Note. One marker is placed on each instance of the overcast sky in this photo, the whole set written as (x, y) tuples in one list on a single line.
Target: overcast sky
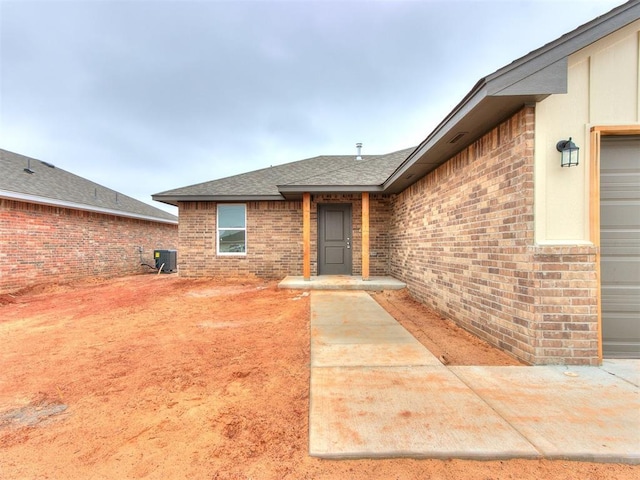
[(144, 96)]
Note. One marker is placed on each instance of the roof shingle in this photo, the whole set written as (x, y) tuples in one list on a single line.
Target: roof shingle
[(322, 171), (55, 186)]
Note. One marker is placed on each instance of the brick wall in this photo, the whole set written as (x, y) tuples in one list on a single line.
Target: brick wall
[(463, 242), (379, 222), (42, 244), (274, 238), (274, 241), (566, 304)]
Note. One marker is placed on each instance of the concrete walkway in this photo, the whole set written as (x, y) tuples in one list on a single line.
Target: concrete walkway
[(377, 392), (342, 282)]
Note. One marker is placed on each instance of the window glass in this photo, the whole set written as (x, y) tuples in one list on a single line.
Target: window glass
[(232, 235), (231, 216), (231, 241)]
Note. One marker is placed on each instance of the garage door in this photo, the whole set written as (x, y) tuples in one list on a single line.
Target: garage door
[(620, 246)]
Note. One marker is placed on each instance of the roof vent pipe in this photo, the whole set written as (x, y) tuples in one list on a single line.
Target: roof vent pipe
[(359, 151), (28, 169)]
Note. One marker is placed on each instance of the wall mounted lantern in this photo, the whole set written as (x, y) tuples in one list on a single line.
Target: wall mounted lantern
[(569, 152)]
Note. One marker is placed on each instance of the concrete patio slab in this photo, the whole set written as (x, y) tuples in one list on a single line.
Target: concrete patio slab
[(342, 282), (628, 370), (377, 392), (582, 413), (405, 411)]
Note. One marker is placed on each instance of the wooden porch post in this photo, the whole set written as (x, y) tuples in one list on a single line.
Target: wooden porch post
[(365, 236), (306, 236)]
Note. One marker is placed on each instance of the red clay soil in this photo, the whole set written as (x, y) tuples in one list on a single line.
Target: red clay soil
[(447, 341), (165, 378)]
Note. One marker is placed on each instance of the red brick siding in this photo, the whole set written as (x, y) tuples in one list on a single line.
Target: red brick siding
[(566, 304), (379, 222), (43, 244), (274, 238), (463, 241), (274, 241)]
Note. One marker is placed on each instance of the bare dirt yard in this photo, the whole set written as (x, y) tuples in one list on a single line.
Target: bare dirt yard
[(160, 377), (450, 343)]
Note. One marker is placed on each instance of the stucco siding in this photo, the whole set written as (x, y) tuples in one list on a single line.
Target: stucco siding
[(603, 89)]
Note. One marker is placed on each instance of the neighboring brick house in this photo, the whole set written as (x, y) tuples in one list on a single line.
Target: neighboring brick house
[(480, 220), (58, 227)]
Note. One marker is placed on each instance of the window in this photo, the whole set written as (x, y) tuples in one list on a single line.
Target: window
[(232, 230)]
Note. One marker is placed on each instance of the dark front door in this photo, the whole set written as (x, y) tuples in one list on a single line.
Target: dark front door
[(334, 239)]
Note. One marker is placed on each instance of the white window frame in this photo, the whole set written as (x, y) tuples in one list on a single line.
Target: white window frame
[(219, 229)]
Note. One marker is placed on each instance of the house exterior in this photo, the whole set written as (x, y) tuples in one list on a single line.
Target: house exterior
[(480, 220), (58, 227)]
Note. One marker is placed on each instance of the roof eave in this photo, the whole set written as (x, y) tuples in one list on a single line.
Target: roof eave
[(174, 199), (461, 128), (482, 108), (291, 191), (52, 202), (527, 80), (565, 45)]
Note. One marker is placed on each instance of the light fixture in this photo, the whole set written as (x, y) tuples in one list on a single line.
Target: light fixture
[(569, 151)]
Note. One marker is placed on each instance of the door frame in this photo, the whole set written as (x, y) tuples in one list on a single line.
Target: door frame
[(597, 132), (321, 208)]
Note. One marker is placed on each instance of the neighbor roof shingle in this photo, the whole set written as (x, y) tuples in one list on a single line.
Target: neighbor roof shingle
[(52, 185)]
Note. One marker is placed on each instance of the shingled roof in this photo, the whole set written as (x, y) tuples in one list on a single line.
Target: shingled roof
[(327, 173), (50, 185), (527, 80)]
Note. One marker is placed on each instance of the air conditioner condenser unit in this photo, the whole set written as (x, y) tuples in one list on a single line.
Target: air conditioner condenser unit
[(167, 260)]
